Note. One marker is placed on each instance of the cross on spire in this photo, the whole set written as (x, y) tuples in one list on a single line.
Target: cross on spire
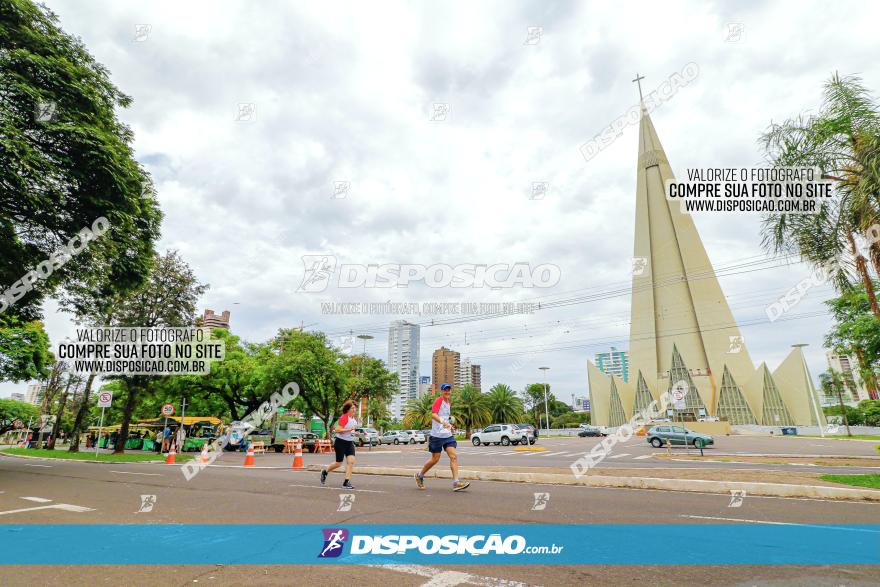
[(638, 80)]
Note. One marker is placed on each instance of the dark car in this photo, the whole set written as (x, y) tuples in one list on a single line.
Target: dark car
[(530, 430), (669, 434), (590, 431)]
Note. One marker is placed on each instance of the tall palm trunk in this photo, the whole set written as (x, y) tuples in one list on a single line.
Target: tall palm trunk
[(81, 415), (862, 269)]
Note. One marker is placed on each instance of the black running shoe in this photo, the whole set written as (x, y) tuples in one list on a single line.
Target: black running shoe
[(347, 484), (323, 476)]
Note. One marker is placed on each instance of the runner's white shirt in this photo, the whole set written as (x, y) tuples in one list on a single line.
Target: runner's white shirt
[(346, 422), (442, 409)]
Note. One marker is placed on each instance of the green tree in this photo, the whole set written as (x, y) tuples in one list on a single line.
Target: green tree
[(65, 161), (417, 412), (377, 411), (167, 299), (12, 410), (470, 408), (842, 142), (24, 349), (533, 398), (833, 386), (856, 332), (320, 370), (503, 404), (368, 378), (871, 410)]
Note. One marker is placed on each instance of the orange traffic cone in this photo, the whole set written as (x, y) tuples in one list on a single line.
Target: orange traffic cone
[(170, 460), (298, 455), (249, 459), (203, 458)]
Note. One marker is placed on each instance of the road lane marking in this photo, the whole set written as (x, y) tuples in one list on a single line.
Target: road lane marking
[(433, 573), (780, 523), (554, 454), (32, 465), (337, 488), (641, 457), (58, 506), (37, 499), (135, 473), (623, 454)]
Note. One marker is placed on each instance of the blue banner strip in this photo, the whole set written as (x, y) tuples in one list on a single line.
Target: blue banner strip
[(591, 544)]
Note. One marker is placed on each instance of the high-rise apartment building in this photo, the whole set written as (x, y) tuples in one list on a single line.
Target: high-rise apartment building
[(614, 362), (403, 359), (468, 373), (211, 320), (445, 367)]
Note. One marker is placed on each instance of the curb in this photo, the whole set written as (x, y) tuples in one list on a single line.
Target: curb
[(688, 485)]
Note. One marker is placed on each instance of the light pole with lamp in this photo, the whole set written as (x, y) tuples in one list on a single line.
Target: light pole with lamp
[(546, 407), (365, 338)]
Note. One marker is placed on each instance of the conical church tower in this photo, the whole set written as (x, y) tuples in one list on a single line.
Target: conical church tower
[(682, 329)]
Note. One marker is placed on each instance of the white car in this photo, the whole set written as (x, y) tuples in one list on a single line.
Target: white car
[(415, 436), (394, 437), (503, 434)]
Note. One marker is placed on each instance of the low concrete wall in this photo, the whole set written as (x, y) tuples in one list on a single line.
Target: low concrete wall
[(808, 430)]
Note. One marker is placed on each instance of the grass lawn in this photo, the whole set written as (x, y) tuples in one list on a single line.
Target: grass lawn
[(853, 437), (89, 455), (871, 481)]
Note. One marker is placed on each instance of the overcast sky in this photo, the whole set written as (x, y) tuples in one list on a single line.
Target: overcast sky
[(347, 92)]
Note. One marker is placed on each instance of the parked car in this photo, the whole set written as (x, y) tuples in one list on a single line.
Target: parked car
[(364, 436), (394, 437), (416, 436), (672, 435), (504, 434), (591, 431), (530, 430)]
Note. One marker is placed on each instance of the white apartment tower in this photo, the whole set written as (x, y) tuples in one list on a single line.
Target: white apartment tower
[(403, 359)]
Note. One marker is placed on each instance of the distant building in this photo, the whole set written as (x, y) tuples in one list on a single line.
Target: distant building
[(403, 359), (848, 367), (581, 404), (614, 363), (19, 397), (445, 367), (211, 320), (425, 387), (34, 393), (468, 373)]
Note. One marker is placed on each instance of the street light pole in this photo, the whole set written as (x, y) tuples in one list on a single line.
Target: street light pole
[(365, 338), (546, 407)]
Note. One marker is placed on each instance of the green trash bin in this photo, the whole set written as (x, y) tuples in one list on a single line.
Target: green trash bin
[(149, 444)]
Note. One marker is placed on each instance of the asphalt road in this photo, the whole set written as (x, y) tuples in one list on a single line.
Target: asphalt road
[(84, 493), (634, 454)]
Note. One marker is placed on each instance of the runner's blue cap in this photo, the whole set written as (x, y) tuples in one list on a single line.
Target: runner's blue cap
[(445, 386)]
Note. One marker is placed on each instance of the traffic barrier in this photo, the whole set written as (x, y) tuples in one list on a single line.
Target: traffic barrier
[(204, 458), (170, 459), (298, 456), (249, 459), (323, 445)]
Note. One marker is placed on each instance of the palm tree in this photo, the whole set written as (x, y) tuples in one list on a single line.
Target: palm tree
[(842, 142), (418, 412), (470, 408), (503, 404)]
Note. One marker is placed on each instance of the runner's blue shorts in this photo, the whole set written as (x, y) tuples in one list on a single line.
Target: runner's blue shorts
[(439, 444)]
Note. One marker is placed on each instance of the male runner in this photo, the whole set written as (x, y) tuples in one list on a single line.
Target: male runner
[(344, 445), (442, 438)]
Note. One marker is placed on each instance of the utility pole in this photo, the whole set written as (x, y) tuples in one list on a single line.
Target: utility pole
[(365, 338), (546, 407)]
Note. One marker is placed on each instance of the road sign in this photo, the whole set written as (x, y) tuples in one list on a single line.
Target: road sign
[(105, 398), (167, 410), (18, 424)]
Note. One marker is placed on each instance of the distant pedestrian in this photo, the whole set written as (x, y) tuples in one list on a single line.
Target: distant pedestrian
[(343, 445)]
